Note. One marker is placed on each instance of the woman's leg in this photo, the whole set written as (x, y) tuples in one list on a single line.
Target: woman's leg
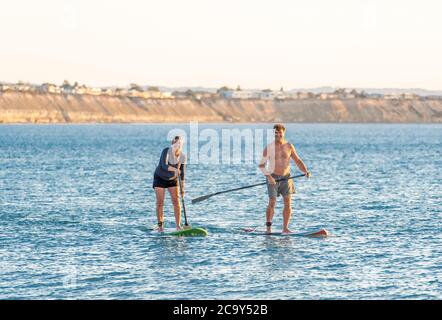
[(160, 193), (176, 206)]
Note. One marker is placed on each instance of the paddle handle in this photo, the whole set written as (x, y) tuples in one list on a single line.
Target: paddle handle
[(242, 188), (259, 184), (182, 199)]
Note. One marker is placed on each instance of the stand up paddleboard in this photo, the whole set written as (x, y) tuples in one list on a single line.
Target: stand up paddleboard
[(188, 231), (321, 233), (192, 232)]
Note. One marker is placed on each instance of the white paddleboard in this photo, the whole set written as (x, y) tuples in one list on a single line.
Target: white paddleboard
[(320, 233)]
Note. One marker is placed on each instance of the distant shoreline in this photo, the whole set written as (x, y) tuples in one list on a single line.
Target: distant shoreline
[(47, 108)]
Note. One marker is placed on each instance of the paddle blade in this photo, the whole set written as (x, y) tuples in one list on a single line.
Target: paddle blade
[(318, 234), (199, 199)]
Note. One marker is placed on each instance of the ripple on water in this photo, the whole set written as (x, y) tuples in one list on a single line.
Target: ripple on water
[(77, 207)]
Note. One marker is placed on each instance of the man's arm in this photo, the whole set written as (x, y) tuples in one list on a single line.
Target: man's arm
[(263, 162), (301, 165), (262, 166)]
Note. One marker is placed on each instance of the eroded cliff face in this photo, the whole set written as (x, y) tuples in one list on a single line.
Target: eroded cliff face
[(18, 107)]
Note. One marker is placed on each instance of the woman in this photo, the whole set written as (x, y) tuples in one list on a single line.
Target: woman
[(172, 163)]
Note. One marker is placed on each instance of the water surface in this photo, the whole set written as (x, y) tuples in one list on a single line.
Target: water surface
[(76, 205)]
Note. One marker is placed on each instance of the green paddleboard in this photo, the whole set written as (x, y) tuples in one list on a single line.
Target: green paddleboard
[(193, 232)]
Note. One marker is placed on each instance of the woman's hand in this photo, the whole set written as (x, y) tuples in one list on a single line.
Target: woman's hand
[(174, 170)]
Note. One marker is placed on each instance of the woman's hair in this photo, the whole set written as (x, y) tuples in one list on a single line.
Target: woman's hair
[(177, 138)]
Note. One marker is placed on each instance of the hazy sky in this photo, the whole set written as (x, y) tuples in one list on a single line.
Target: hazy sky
[(256, 44)]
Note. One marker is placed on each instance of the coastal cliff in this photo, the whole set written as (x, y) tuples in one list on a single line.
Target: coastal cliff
[(24, 107)]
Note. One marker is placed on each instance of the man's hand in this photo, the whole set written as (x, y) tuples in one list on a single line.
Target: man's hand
[(308, 174), (271, 180)]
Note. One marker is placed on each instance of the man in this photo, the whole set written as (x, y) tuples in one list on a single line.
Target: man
[(278, 154)]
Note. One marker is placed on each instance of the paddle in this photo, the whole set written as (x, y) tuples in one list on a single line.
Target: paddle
[(182, 200), (199, 199)]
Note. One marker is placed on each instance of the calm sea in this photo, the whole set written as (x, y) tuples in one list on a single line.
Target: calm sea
[(76, 208)]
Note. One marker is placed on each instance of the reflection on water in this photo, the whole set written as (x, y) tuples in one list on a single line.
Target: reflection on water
[(76, 209)]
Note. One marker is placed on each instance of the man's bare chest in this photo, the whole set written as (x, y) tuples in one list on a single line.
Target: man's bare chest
[(282, 152)]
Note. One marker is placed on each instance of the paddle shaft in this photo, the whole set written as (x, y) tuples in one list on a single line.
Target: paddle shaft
[(242, 188), (182, 200)]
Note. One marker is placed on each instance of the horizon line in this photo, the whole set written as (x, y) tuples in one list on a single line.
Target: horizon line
[(232, 88)]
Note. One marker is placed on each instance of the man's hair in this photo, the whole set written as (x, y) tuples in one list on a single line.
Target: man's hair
[(279, 127)]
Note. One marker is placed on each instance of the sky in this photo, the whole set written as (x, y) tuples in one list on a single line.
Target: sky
[(254, 44)]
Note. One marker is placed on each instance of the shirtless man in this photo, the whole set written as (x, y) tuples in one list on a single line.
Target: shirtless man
[(278, 154)]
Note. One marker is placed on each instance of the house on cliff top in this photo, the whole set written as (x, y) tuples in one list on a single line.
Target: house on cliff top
[(48, 88), (5, 87)]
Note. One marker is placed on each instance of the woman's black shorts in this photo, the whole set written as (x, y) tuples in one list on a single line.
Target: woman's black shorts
[(161, 183)]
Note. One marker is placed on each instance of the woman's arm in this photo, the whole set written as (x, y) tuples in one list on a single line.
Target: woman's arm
[(182, 171), (164, 161)]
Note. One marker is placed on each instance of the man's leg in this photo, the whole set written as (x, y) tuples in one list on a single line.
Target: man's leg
[(160, 193), (269, 213), (287, 213), (176, 206)]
